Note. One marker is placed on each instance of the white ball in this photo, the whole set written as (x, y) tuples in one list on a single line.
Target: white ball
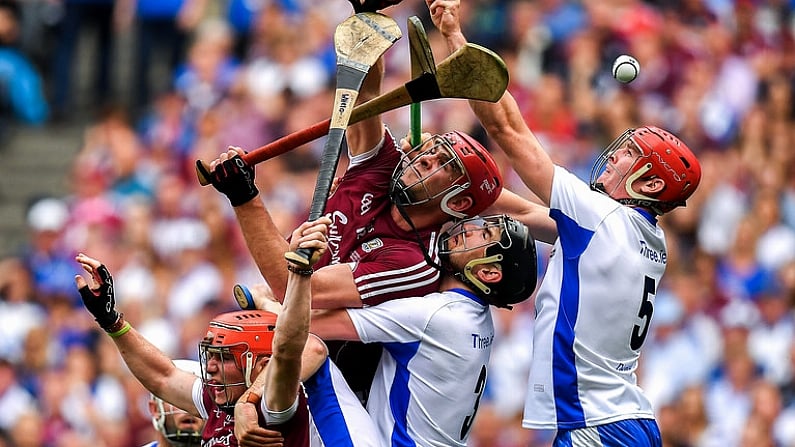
[(626, 68)]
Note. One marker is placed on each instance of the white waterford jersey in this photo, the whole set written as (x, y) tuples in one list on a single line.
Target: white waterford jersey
[(433, 369), (593, 310)]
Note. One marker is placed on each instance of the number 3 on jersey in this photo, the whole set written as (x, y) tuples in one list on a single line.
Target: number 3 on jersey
[(479, 387), (644, 313)]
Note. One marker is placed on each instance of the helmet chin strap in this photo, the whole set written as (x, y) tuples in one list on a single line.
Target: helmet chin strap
[(248, 367), (447, 197), (631, 179), (472, 279), (417, 235)]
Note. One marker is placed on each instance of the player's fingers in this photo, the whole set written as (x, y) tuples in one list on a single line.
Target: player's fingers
[(258, 436), (315, 229), (325, 220), (315, 243), (235, 150), (87, 260), (80, 282)]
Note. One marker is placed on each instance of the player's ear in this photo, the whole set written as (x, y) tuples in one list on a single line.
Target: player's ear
[(153, 410), (460, 203), (489, 273), (652, 186)]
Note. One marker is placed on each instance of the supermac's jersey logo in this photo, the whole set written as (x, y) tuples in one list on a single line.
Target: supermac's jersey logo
[(371, 245)]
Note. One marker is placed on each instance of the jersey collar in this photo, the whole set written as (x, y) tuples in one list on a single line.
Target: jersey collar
[(469, 295), (647, 214)]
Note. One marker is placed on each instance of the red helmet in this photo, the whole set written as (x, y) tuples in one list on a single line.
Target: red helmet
[(479, 177), (664, 156), (245, 335)]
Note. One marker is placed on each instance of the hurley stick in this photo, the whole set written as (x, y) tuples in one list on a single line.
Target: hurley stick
[(471, 72), (421, 63), (358, 41)]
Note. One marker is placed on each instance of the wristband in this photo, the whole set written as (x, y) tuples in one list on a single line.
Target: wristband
[(253, 398), (300, 271), (124, 329), (116, 326)]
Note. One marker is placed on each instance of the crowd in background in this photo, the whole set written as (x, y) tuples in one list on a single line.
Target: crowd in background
[(719, 365)]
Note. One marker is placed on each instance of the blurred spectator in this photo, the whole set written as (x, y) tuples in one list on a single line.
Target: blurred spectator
[(111, 145), (766, 409), (209, 70), (287, 68), (728, 398), (15, 401), (82, 18), (776, 244), (242, 16), (162, 28), (197, 282), (21, 85), (740, 274), (28, 431), (771, 339), (47, 257), (19, 313)]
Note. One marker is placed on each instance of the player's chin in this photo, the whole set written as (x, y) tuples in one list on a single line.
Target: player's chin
[(227, 396)]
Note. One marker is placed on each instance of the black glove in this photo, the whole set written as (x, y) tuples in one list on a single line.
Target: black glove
[(371, 5), (234, 178), (101, 302)]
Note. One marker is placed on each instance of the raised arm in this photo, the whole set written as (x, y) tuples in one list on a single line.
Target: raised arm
[(283, 373), (333, 285), (502, 120), (156, 372), (532, 214), (296, 354), (365, 135)]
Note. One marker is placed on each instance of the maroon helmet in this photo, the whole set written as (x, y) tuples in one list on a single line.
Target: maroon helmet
[(472, 168)]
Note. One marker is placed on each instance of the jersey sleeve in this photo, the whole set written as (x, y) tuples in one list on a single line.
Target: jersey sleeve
[(400, 321), (278, 417), (577, 210), (199, 397), (396, 270), (576, 200), (383, 157)]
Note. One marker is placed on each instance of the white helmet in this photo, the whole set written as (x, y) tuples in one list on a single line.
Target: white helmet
[(173, 432)]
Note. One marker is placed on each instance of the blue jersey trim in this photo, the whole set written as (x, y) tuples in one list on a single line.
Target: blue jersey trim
[(399, 394), (573, 241), (469, 295), (647, 214), (325, 408)]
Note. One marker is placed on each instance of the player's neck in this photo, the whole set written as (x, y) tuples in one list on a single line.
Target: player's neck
[(421, 218)]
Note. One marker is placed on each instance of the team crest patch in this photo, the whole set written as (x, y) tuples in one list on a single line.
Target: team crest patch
[(372, 245)]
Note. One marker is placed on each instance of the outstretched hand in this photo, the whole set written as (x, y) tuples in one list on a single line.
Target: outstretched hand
[(98, 297), (445, 15)]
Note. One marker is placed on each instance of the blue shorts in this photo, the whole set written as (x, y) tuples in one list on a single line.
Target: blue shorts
[(626, 433)]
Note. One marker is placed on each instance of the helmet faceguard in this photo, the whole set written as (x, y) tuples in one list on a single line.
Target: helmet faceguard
[(508, 243), (469, 166), (165, 421), (241, 336), (661, 155)]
